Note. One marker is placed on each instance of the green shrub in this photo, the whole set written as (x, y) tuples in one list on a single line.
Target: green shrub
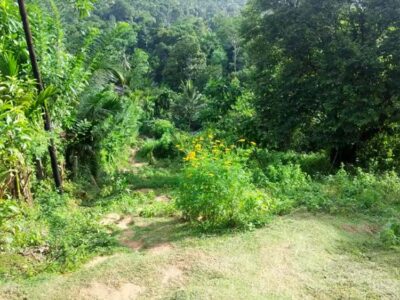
[(282, 175), (157, 128), (382, 152), (65, 234), (285, 183), (164, 147), (390, 236), (158, 209), (73, 232), (285, 177), (75, 236), (362, 192), (19, 226), (310, 163), (238, 120), (106, 127), (162, 135), (217, 189), (123, 202)]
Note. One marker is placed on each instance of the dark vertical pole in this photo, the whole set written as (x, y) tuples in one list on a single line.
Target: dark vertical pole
[(40, 88)]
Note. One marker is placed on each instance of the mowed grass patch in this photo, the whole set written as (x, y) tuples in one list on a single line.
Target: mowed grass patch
[(301, 256)]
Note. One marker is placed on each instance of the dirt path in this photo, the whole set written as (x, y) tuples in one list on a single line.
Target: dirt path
[(296, 257)]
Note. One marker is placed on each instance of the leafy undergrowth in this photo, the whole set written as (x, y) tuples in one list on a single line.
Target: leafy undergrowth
[(60, 233), (298, 256), (128, 239)]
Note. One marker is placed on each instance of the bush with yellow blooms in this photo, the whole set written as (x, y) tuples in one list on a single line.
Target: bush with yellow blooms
[(216, 189)]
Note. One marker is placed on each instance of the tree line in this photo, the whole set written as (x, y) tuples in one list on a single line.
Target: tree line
[(291, 75)]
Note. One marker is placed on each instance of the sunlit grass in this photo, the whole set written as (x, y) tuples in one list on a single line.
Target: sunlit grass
[(295, 257)]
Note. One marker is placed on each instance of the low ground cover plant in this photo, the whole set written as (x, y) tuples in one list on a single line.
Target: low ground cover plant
[(364, 192), (55, 234), (390, 235)]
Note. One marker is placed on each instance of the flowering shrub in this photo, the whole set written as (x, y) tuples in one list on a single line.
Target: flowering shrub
[(217, 189)]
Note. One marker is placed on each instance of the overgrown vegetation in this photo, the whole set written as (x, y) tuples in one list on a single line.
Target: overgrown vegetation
[(217, 189), (219, 114)]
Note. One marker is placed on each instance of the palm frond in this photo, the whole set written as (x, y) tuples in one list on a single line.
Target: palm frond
[(8, 65)]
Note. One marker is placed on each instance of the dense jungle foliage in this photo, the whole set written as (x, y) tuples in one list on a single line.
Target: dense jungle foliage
[(244, 111)]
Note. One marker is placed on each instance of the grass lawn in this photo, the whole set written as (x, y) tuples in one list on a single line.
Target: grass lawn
[(300, 256)]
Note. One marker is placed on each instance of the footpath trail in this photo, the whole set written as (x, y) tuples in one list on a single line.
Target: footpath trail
[(296, 257)]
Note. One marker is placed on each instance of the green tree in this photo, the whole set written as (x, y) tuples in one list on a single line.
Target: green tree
[(221, 95), (186, 61), (121, 10), (83, 6), (187, 107), (326, 73), (228, 31), (140, 69)]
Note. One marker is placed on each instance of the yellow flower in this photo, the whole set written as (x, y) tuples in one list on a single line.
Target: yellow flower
[(198, 147), (191, 156)]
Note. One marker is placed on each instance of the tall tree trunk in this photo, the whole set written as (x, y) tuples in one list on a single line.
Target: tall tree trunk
[(40, 88)]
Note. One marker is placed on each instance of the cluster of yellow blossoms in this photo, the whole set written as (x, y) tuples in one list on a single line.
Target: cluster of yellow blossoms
[(191, 156), (202, 147)]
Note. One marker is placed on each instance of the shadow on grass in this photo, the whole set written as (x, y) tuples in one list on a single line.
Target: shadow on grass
[(164, 231)]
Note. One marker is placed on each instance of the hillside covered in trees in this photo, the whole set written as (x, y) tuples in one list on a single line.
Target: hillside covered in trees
[(142, 140)]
